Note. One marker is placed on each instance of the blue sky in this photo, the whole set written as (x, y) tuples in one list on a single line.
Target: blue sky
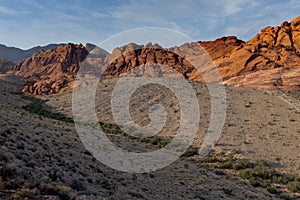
[(29, 23)]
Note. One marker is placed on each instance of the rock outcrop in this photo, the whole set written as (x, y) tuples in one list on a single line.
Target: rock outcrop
[(51, 71), (269, 60), (270, 56), (149, 60)]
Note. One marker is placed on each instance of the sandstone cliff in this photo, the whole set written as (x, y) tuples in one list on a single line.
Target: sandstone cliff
[(269, 60)]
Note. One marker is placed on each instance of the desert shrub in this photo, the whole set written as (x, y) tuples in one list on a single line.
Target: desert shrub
[(52, 175), (264, 173), (210, 159), (37, 106), (246, 174), (263, 163), (157, 141), (272, 190), (227, 191), (58, 190), (254, 182), (265, 183), (5, 133), (242, 164), (279, 179), (294, 186), (285, 178), (7, 171), (226, 165), (78, 185), (286, 196), (191, 151)]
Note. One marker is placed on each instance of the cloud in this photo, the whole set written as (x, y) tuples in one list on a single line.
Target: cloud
[(93, 21), (8, 11)]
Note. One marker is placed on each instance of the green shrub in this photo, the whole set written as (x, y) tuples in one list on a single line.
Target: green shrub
[(272, 190), (254, 182), (191, 151), (242, 164), (246, 174), (294, 186), (227, 165), (38, 106), (286, 196), (264, 173)]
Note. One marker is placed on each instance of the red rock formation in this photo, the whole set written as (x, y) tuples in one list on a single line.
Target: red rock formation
[(275, 47), (270, 60), (50, 71)]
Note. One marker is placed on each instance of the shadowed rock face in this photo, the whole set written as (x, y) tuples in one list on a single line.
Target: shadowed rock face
[(270, 60), (6, 65)]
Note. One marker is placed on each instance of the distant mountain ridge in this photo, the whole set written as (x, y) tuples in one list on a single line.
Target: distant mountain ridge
[(271, 59), (15, 54), (6, 65)]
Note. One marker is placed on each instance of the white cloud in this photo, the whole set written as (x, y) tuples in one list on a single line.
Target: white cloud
[(80, 21)]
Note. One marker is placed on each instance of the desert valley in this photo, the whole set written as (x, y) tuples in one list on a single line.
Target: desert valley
[(256, 157)]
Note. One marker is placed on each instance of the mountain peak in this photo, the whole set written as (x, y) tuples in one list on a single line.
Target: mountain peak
[(269, 60)]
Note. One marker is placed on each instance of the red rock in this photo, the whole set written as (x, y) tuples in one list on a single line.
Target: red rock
[(49, 71), (271, 59)]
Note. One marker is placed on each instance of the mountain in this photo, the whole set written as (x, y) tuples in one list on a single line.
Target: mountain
[(16, 54), (6, 65), (50, 71), (269, 60)]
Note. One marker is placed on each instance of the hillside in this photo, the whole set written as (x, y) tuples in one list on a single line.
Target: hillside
[(6, 65), (42, 156)]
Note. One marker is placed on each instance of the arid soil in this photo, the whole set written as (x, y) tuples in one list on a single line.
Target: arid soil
[(42, 156)]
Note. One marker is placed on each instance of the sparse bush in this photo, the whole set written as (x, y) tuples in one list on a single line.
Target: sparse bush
[(264, 173), (294, 186), (242, 164), (211, 159), (246, 174), (254, 182), (191, 151), (227, 191), (286, 196), (272, 190), (37, 106), (58, 190), (77, 185), (227, 165), (7, 171)]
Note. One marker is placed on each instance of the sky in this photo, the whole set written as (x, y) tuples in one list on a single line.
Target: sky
[(28, 23)]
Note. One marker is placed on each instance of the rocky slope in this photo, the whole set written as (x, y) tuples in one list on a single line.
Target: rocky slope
[(269, 60), (42, 156), (6, 65)]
